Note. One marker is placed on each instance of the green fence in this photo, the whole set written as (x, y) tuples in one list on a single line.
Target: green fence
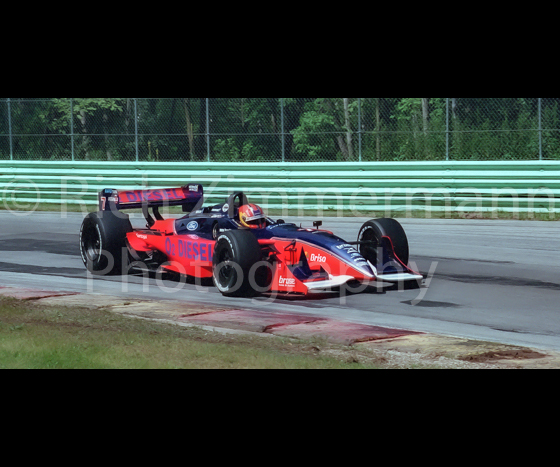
[(396, 189), (279, 129)]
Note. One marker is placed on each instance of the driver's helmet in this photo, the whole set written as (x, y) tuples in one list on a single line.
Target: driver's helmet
[(252, 216)]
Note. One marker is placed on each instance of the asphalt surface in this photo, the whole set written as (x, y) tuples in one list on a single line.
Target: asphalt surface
[(487, 280)]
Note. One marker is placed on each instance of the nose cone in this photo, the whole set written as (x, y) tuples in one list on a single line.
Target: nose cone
[(351, 256)]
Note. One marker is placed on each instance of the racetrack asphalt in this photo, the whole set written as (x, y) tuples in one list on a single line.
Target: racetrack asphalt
[(488, 280)]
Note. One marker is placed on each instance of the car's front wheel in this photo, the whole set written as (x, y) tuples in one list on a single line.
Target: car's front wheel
[(235, 255), (370, 240)]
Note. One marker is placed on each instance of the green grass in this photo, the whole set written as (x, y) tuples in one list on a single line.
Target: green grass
[(40, 337)]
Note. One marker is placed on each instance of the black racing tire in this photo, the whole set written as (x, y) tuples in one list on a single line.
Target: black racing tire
[(103, 243), (235, 254), (372, 233)]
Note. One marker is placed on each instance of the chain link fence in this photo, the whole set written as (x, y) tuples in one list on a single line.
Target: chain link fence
[(273, 129)]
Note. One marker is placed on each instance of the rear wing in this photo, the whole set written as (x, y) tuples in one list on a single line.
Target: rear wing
[(188, 196)]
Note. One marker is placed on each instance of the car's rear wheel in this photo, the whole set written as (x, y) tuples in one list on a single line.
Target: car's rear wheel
[(371, 240), (235, 255), (103, 243)]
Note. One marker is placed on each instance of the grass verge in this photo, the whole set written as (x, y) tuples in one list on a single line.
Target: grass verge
[(33, 336)]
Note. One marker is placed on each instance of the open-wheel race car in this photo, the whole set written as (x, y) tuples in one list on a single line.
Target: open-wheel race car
[(237, 246)]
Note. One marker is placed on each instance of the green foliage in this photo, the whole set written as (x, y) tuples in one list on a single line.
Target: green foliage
[(250, 129), (311, 138)]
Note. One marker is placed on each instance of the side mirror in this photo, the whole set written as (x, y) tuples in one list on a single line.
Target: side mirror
[(317, 224)]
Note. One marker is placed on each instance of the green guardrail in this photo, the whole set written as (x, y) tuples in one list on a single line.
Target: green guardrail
[(359, 188)]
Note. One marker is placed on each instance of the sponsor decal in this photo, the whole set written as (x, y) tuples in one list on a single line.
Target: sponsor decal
[(317, 258), (225, 208), (111, 200), (194, 251), (284, 282), (170, 194), (354, 254), (192, 226), (347, 248)]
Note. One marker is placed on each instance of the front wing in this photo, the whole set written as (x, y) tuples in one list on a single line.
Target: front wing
[(299, 268)]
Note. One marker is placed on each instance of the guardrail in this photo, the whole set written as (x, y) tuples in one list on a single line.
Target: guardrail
[(396, 189)]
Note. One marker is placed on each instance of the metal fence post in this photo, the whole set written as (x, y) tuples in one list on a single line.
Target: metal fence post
[(283, 129), (72, 128), (208, 128), (10, 129), (447, 130), (360, 127), (136, 129), (540, 131)]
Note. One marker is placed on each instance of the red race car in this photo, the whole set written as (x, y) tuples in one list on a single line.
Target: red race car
[(238, 247)]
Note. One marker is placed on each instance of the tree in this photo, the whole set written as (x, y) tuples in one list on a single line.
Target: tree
[(95, 117), (190, 130), (250, 129), (348, 127), (426, 114)]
